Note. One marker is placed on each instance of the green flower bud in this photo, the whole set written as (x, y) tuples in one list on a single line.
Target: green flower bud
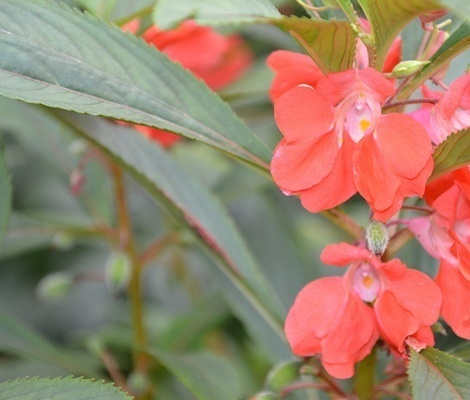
[(54, 287), (117, 272), (408, 68), (138, 383), (377, 237), (283, 375)]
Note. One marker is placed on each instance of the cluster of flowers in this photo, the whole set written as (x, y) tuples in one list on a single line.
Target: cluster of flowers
[(338, 140)]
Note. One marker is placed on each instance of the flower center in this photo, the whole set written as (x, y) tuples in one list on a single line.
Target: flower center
[(361, 117), (366, 282)]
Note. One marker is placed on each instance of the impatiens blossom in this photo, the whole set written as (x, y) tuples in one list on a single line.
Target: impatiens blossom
[(337, 142), (445, 234), (342, 318), (450, 114), (216, 59)]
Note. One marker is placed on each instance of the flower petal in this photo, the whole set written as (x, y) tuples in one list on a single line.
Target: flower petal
[(315, 309), (404, 145), (395, 322), (455, 299), (340, 254), (291, 69), (374, 181), (418, 294), (352, 338), (303, 114), (299, 166), (335, 188)]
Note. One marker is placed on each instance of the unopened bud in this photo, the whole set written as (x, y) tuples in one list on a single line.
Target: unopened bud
[(117, 272), (377, 237), (54, 287), (138, 383), (62, 241), (283, 375), (408, 68)]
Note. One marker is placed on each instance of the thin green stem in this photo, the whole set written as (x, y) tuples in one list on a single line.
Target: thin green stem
[(344, 221), (140, 342), (364, 379)]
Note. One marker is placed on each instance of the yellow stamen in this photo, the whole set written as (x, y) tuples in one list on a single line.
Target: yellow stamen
[(364, 124), (368, 281)]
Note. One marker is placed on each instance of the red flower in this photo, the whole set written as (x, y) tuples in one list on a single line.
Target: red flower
[(446, 236), (337, 142), (343, 317), (216, 59)]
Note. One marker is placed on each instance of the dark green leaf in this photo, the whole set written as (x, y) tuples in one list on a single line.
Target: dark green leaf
[(207, 376), (435, 375), (111, 73), (60, 389), (388, 17), (457, 43), (331, 44), (169, 13), (20, 340), (452, 154)]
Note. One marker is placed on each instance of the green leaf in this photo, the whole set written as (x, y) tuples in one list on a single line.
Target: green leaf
[(111, 73), (60, 389), (388, 17), (452, 154), (188, 203), (457, 43), (331, 44), (5, 198), (435, 375), (20, 340), (207, 376), (169, 13)]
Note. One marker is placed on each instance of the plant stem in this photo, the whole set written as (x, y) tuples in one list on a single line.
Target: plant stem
[(344, 221), (365, 377), (140, 343)]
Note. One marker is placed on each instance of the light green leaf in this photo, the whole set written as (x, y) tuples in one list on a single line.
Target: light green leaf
[(452, 154), (388, 17), (20, 340), (169, 13), (65, 59), (5, 196), (435, 375), (188, 202), (207, 376), (60, 389), (457, 43), (331, 44)]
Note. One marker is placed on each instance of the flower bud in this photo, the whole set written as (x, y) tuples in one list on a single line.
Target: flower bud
[(282, 375), (117, 272), (377, 237), (138, 383), (408, 68), (54, 287)]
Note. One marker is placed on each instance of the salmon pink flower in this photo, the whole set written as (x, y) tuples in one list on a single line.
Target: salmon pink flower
[(336, 143), (216, 59), (342, 318), (445, 235)]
